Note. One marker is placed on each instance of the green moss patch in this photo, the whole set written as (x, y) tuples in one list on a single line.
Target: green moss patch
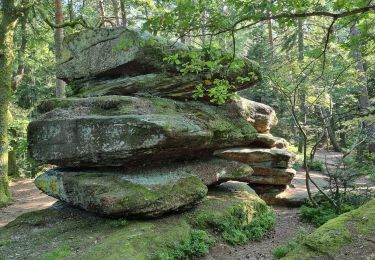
[(346, 231), (66, 233)]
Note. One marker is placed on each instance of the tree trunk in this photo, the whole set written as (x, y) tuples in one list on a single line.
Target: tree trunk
[(59, 36), (115, 5), (329, 126), (123, 13), (270, 35), (7, 27), (363, 97), (13, 169), (21, 54), (102, 12), (302, 95)]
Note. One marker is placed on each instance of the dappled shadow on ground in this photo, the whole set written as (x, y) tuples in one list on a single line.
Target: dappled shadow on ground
[(26, 198)]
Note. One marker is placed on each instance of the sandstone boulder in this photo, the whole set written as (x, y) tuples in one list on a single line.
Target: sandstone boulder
[(115, 131), (114, 194), (258, 157), (140, 191), (269, 141), (110, 53), (261, 116), (272, 176), (118, 61)]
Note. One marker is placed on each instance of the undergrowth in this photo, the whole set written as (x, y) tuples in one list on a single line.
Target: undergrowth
[(198, 245), (235, 228)]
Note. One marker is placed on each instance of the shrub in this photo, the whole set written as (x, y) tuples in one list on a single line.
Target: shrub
[(315, 165), (198, 245)]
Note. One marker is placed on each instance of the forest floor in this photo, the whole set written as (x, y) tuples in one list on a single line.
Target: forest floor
[(287, 226), (26, 198)]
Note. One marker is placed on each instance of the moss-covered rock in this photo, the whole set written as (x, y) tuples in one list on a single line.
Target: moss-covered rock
[(138, 191), (349, 236), (115, 194), (114, 130), (65, 233), (119, 61)]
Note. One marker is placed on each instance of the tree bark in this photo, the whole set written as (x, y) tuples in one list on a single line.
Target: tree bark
[(21, 54), (302, 95), (115, 5), (363, 96), (329, 126), (123, 13), (7, 27), (59, 36), (102, 12), (270, 35)]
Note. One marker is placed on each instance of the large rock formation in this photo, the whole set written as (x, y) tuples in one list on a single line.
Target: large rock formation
[(133, 142)]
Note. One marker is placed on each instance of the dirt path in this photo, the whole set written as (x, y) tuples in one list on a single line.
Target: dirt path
[(287, 225), (26, 198)]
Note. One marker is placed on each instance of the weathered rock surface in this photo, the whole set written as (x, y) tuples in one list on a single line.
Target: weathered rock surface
[(119, 61), (169, 85), (115, 194), (142, 191), (114, 131), (258, 157), (272, 176), (261, 116), (349, 236), (269, 141), (109, 53), (74, 234)]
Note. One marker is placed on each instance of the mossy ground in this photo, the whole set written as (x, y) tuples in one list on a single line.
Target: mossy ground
[(341, 237), (68, 233)]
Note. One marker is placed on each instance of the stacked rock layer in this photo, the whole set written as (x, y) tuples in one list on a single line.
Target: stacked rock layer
[(133, 142)]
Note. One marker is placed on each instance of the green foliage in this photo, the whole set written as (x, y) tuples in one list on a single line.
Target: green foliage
[(315, 165), (198, 245), (235, 228), (320, 215), (289, 245)]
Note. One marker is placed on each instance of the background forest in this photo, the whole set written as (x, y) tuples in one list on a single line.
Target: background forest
[(316, 59)]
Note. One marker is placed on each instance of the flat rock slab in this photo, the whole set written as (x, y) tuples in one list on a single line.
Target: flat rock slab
[(258, 157), (111, 52), (140, 192), (272, 176), (106, 61), (115, 131)]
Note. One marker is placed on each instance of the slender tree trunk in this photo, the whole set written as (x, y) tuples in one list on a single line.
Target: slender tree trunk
[(123, 13), (102, 12), (363, 97), (59, 36), (115, 5), (7, 27), (270, 35), (302, 94), (328, 124), (21, 54)]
